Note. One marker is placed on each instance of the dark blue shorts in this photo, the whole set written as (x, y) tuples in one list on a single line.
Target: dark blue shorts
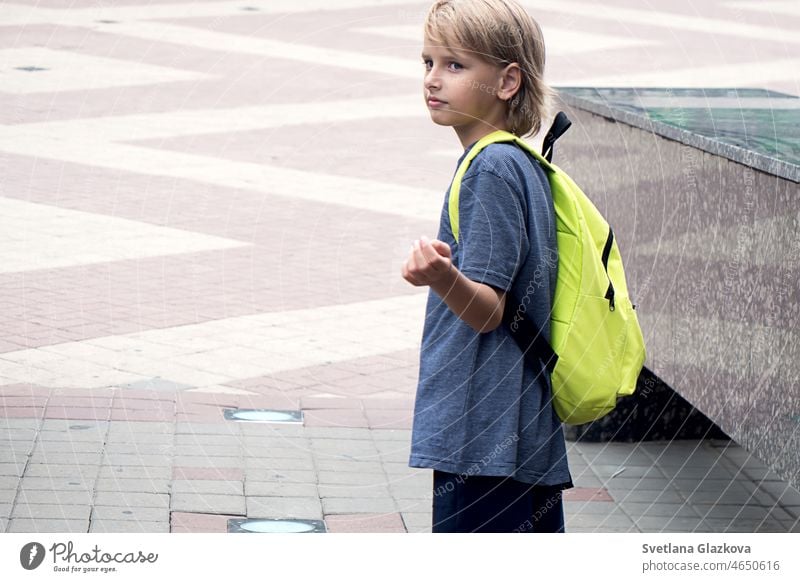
[(481, 504)]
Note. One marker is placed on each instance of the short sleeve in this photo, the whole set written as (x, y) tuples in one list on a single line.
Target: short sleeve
[(493, 236)]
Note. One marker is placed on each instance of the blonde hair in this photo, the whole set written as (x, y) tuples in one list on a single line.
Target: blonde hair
[(499, 32)]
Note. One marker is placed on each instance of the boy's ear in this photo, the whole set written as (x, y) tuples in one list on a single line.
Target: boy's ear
[(510, 81)]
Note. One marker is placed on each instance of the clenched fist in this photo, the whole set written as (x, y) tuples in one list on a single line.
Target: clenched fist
[(428, 262)]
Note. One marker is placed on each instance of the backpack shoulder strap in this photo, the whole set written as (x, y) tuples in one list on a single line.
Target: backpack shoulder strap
[(494, 137)]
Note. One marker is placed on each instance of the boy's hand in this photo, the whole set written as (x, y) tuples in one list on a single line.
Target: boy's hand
[(428, 262)]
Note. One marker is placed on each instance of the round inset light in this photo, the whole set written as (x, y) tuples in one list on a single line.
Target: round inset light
[(277, 526), (263, 415)]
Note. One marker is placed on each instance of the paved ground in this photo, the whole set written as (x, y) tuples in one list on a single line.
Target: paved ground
[(205, 205)]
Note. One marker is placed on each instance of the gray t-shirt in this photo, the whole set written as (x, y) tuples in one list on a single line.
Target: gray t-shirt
[(480, 408)]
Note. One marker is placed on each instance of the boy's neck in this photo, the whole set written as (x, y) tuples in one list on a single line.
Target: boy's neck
[(469, 134)]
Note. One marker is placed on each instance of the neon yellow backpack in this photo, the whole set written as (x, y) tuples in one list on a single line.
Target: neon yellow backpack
[(597, 349)]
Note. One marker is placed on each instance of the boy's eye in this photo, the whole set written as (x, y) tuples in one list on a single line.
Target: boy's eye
[(428, 63), (455, 66)]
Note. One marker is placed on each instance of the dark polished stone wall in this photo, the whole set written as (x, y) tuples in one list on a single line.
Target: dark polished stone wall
[(712, 257)]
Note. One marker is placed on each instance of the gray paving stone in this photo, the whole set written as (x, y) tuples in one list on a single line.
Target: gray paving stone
[(129, 499), (333, 432), (9, 482), (345, 466), (277, 489), (269, 429), (140, 439), (699, 472), (124, 472), (12, 469), (416, 522), (351, 478), (397, 469), (208, 503), (198, 450), (74, 483), (39, 496), (136, 460), (332, 505), (654, 524), (5, 511), (647, 496), (781, 491), (137, 428), (391, 434), (284, 507), (8, 456), (251, 451), (210, 439), (605, 471), (3, 524), (7, 495), (139, 449), (660, 509), (413, 505), (82, 459), (306, 464), (25, 525), (741, 511), (736, 496), (792, 525), (592, 508), (209, 462), (280, 475), (133, 485), (793, 510), (598, 522), (744, 525), (355, 491), (637, 484), (50, 511), (57, 447), (128, 513), (209, 428), (58, 470), (208, 486), (122, 526)]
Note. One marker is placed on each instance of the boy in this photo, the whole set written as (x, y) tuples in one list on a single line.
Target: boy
[(483, 418)]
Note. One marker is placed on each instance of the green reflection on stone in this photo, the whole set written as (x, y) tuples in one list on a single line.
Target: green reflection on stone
[(757, 120)]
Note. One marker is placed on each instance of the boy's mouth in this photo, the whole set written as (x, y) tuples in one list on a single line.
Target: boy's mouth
[(435, 103)]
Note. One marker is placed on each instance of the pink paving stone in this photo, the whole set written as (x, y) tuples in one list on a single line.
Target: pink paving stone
[(199, 522), (323, 403), (208, 473), (365, 523), (405, 404), (83, 393), (335, 418), (24, 390), (587, 494), (144, 405), (139, 394), (99, 401), (17, 401), (82, 413), (22, 412), (142, 415)]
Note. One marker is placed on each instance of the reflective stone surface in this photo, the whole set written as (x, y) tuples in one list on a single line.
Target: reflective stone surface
[(755, 127), (712, 256)]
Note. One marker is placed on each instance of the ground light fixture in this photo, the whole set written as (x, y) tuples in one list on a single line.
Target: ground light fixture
[(252, 525), (264, 415)]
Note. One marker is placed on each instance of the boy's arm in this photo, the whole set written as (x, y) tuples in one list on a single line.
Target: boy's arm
[(480, 306)]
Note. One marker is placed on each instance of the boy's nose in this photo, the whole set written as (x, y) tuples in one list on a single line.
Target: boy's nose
[(431, 81)]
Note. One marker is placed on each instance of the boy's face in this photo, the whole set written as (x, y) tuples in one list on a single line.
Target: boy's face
[(461, 91)]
